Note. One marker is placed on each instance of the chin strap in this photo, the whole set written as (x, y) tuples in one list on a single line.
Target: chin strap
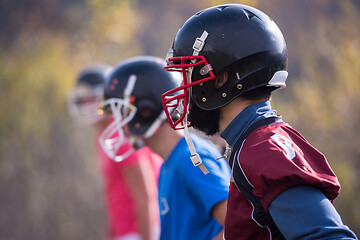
[(195, 157), (155, 125)]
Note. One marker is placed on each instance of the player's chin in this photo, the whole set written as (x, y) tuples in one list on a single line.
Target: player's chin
[(206, 121)]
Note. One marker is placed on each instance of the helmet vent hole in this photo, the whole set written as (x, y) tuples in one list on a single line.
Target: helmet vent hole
[(248, 14), (197, 14), (222, 8)]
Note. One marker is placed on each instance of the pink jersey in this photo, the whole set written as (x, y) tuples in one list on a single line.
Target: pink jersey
[(120, 204)]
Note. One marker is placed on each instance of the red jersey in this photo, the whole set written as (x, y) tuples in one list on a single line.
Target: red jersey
[(270, 160)]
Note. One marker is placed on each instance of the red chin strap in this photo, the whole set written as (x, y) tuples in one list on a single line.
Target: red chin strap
[(177, 96)]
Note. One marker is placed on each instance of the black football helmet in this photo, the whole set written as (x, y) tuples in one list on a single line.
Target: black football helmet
[(84, 99), (133, 95), (235, 38)]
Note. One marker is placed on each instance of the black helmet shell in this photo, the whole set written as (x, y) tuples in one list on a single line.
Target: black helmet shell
[(241, 40), (93, 75)]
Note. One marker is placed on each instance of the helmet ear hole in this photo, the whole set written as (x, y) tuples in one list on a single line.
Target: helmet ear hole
[(146, 109), (221, 79), (145, 112)]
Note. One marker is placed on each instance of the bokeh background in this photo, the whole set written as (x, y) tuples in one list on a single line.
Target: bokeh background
[(50, 184)]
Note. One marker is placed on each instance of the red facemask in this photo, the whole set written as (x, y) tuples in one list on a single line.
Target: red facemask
[(178, 98)]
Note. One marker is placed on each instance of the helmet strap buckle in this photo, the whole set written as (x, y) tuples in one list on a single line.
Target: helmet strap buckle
[(199, 43)]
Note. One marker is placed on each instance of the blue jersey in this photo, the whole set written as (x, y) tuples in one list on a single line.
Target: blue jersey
[(186, 195)]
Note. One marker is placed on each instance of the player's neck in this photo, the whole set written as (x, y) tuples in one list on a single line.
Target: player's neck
[(230, 111), (164, 140)]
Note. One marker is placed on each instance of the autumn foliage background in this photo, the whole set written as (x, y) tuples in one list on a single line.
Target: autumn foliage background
[(50, 184)]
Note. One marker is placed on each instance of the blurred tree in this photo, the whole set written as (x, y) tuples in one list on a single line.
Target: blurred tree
[(43, 176), (324, 103), (109, 35), (32, 17)]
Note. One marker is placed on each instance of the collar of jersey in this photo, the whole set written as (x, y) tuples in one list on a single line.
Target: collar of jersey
[(245, 119)]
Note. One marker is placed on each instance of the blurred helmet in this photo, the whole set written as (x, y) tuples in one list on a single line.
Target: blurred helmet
[(133, 95), (84, 99), (235, 38)]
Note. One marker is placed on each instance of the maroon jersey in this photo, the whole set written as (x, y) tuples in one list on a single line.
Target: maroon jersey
[(268, 161)]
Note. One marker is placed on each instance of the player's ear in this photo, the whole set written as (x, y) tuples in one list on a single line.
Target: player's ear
[(221, 79)]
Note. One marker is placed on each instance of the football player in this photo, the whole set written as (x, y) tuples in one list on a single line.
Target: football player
[(192, 205), (130, 185), (231, 58)]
